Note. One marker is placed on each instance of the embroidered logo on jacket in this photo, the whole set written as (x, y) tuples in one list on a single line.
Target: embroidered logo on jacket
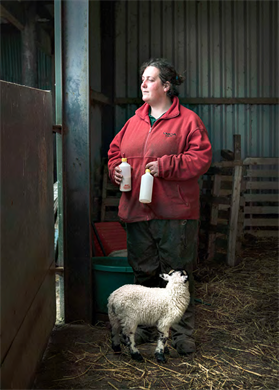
[(169, 134)]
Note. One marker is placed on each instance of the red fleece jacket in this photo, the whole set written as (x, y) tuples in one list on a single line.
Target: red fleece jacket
[(179, 142)]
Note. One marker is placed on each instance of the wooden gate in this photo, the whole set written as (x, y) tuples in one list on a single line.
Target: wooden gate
[(27, 232)]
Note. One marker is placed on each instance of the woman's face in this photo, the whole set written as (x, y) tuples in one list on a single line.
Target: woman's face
[(153, 91)]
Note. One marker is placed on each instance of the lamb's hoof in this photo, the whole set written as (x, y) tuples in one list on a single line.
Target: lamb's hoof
[(137, 356), (160, 357), (116, 348)]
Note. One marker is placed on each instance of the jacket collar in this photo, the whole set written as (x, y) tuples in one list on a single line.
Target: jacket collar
[(172, 112)]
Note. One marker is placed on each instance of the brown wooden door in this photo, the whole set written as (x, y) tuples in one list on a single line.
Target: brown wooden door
[(27, 232)]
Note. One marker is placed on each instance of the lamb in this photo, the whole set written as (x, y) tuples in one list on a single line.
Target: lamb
[(133, 305)]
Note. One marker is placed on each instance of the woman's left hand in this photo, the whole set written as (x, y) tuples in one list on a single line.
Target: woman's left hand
[(154, 168)]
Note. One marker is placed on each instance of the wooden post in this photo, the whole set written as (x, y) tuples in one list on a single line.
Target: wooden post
[(233, 245), (214, 217), (233, 225), (237, 146)]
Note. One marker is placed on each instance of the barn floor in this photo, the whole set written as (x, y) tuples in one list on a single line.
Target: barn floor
[(236, 336)]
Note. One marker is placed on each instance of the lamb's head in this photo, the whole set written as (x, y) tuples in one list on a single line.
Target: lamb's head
[(178, 276)]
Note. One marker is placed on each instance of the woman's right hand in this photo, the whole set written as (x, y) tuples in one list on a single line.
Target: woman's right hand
[(117, 175)]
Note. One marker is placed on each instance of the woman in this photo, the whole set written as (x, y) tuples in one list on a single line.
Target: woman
[(173, 143)]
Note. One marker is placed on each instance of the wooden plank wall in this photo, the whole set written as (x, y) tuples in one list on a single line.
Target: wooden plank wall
[(244, 199), (261, 196), (27, 232), (110, 199), (225, 227)]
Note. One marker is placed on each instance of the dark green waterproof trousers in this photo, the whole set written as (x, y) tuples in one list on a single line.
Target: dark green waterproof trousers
[(159, 246)]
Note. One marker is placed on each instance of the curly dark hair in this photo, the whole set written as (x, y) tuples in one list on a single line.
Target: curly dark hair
[(167, 73)]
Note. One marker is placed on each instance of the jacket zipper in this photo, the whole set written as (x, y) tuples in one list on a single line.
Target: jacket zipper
[(149, 134), (147, 218), (157, 121)]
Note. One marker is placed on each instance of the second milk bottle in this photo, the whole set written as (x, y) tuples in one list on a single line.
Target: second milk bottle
[(146, 187), (125, 184)]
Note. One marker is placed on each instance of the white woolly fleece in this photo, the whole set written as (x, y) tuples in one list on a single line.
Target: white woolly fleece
[(139, 305)]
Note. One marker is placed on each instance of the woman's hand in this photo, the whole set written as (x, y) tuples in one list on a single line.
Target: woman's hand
[(154, 168), (117, 175)]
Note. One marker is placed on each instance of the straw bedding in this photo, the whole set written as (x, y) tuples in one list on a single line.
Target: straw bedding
[(236, 336)]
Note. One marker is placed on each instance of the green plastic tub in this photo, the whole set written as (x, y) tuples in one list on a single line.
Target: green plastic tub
[(109, 273)]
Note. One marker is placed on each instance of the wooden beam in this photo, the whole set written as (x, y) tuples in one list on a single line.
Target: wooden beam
[(261, 173), (228, 101), (237, 146), (262, 185), (99, 98), (263, 233), (225, 192), (261, 161), (214, 217), (233, 224), (204, 101), (261, 210), (261, 197), (261, 222), (13, 12), (226, 164), (227, 154), (123, 101)]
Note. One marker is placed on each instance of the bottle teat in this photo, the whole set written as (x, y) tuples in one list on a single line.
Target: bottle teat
[(147, 171), (124, 159)]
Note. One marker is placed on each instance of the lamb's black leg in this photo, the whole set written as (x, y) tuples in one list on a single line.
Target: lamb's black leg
[(135, 353), (160, 349), (130, 337), (116, 348), (166, 350), (115, 339)]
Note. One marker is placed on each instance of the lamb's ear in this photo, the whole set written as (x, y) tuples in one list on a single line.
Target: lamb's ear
[(166, 277)]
